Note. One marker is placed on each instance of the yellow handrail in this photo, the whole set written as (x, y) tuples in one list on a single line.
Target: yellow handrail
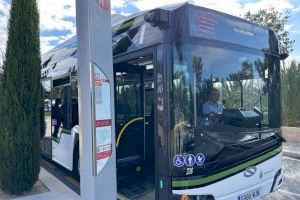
[(180, 124), (124, 128)]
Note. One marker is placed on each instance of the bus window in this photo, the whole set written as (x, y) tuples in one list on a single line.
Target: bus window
[(237, 78), (47, 108), (127, 96), (61, 109), (74, 103)]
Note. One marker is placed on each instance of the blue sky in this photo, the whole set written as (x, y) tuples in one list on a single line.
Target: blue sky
[(57, 18)]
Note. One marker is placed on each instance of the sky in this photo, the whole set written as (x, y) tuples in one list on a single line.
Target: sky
[(57, 17)]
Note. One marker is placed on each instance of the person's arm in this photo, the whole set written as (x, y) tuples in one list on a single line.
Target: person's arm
[(205, 109)]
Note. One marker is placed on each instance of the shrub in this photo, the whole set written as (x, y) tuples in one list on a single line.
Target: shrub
[(20, 100)]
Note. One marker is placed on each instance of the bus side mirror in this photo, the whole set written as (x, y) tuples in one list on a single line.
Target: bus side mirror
[(158, 17), (283, 56)]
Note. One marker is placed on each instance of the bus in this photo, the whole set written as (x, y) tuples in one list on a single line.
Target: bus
[(197, 105)]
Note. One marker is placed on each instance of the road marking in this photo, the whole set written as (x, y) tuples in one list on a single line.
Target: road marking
[(73, 181), (289, 158), (287, 192)]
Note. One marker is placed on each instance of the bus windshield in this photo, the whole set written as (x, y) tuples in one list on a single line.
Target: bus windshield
[(220, 98)]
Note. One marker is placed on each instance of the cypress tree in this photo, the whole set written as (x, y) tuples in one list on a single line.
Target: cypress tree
[(20, 100)]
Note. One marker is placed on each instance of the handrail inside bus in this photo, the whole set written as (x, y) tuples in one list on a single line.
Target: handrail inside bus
[(124, 128)]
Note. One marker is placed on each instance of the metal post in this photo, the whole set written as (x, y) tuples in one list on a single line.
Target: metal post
[(96, 115)]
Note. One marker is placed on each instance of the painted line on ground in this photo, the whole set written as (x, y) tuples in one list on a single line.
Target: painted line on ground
[(287, 192), (289, 158)]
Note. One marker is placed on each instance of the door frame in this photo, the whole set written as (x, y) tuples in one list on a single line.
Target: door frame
[(152, 51)]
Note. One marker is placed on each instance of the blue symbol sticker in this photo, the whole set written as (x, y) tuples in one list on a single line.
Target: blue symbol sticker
[(190, 160), (200, 158), (178, 161)]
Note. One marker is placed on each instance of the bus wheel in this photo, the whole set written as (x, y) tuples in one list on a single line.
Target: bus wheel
[(76, 162)]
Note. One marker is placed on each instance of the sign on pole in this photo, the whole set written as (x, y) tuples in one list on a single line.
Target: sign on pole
[(96, 100), (102, 115)]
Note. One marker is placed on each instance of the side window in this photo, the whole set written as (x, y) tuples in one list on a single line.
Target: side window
[(128, 88), (61, 117), (47, 108), (74, 103)]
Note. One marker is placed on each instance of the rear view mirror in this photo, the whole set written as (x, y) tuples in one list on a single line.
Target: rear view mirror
[(283, 56)]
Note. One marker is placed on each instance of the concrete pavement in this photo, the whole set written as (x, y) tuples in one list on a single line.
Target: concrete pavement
[(47, 188), (291, 134), (291, 181)]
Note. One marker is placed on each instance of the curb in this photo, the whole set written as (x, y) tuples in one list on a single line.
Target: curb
[(291, 154)]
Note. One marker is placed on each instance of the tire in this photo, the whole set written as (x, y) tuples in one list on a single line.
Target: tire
[(76, 162)]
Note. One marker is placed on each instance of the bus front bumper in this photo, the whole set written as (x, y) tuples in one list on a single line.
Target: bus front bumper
[(267, 179)]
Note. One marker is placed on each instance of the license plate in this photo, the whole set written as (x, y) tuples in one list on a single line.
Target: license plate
[(250, 195)]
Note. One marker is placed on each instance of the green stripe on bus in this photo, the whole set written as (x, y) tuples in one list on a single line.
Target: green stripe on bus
[(129, 23), (220, 175), (55, 139), (64, 130)]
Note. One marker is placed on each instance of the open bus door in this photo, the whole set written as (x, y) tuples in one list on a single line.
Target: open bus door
[(135, 174), (60, 139)]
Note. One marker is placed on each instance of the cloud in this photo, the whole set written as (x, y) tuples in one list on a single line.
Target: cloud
[(4, 13), (57, 22), (293, 57), (296, 9), (118, 4), (150, 4), (280, 5), (288, 27), (296, 32), (233, 7), (57, 18), (54, 13)]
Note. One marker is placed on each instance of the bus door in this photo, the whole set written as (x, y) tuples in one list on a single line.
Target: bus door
[(130, 126), (45, 142), (61, 121)]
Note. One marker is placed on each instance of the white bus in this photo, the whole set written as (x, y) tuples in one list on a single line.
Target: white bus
[(197, 98)]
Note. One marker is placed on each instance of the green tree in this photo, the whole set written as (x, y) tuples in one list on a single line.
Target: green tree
[(291, 94), (276, 21), (20, 100)]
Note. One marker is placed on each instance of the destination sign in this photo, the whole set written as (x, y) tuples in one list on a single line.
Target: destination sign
[(216, 26)]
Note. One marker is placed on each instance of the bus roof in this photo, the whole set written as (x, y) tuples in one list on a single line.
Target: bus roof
[(133, 33)]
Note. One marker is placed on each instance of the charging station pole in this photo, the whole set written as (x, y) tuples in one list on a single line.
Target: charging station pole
[(96, 100)]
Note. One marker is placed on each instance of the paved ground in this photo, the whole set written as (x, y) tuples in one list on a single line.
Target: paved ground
[(47, 188), (290, 189), (61, 174), (291, 134)]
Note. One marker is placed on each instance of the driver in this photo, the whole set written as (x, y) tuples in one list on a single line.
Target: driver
[(213, 106)]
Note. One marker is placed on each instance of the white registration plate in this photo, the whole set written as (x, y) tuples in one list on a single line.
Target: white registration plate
[(250, 195)]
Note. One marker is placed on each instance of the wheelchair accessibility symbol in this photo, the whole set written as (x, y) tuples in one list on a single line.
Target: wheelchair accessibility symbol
[(178, 161)]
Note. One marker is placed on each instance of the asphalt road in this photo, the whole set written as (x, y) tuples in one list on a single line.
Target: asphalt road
[(290, 189)]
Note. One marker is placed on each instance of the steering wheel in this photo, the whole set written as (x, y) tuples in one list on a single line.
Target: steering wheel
[(215, 117)]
